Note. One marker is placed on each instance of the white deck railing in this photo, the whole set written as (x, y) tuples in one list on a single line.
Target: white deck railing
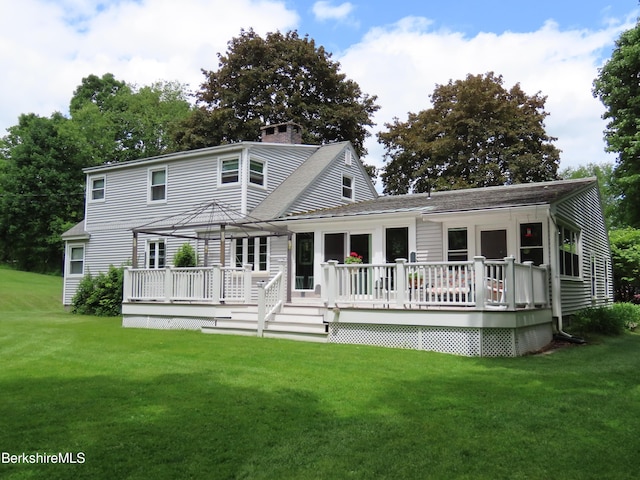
[(271, 297), (479, 283), (198, 284)]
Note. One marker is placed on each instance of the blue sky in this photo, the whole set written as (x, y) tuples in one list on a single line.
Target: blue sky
[(398, 50), (467, 16)]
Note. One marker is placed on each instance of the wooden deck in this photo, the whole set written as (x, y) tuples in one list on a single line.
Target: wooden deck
[(467, 308)]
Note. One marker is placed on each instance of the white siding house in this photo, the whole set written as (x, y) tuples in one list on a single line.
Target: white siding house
[(489, 271)]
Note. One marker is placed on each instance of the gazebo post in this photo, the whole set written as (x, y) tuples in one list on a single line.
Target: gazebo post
[(222, 245)]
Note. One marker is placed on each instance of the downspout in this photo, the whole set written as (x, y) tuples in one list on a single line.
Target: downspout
[(557, 287)]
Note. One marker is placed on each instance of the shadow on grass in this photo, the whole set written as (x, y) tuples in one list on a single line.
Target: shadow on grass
[(187, 426), (502, 419)]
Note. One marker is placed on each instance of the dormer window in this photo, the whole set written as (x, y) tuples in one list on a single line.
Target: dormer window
[(229, 170), (256, 172)]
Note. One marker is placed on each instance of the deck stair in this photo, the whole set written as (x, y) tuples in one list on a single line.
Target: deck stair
[(297, 322)]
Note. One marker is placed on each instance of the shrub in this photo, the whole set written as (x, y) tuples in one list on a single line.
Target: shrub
[(185, 256), (100, 295), (609, 320)]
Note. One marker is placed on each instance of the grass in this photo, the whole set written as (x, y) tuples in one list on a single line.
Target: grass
[(145, 404)]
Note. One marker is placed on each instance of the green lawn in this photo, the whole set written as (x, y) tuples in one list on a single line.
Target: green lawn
[(145, 404)]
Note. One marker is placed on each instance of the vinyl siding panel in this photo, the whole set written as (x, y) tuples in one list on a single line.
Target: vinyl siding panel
[(584, 211), (188, 184), (326, 191), (280, 163), (429, 242)]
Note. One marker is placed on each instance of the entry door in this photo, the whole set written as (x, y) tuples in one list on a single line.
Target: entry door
[(493, 244)]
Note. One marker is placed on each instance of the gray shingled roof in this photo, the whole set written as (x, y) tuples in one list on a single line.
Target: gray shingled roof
[(460, 200), (77, 231), (277, 203)]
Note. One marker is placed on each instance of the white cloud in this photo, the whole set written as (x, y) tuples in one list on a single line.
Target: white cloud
[(410, 59), (46, 48), (324, 10)]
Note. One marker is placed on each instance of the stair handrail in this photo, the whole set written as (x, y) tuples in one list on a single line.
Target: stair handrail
[(270, 299)]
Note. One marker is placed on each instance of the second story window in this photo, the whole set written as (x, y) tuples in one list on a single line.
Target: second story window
[(158, 185), (229, 170), (347, 187), (97, 189), (256, 172)]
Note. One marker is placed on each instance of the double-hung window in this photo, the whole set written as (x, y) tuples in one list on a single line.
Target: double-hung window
[(229, 170), (98, 185), (158, 184), (252, 251), (256, 172), (531, 247), (76, 259), (569, 251), (347, 187)]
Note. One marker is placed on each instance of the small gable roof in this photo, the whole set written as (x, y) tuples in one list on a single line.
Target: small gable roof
[(470, 199), (77, 232)]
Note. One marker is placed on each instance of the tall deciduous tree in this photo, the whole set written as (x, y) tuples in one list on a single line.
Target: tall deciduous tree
[(608, 190), (618, 88), (41, 160), (476, 134), (42, 187), (275, 79), (123, 122)]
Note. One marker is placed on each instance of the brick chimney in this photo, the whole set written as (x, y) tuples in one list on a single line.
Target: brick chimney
[(288, 132)]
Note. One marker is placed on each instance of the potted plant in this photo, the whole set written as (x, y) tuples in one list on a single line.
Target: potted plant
[(353, 258)]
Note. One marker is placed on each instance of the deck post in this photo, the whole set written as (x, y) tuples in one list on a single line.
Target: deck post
[(480, 282), (530, 287), (247, 283), (285, 291), (332, 273), (547, 285), (262, 307), (216, 282), (401, 282), (126, 284), (510, 283), (168, 284)]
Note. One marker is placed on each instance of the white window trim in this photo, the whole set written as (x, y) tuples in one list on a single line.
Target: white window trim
[(353, 188), (245, 253), (264, 174), (91, 189), (70, 247), (150, 173), (147, 253), (578, 232), (221, 160)]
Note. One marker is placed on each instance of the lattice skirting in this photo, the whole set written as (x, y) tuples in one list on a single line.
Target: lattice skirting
[(166, 323), (468, 341)]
